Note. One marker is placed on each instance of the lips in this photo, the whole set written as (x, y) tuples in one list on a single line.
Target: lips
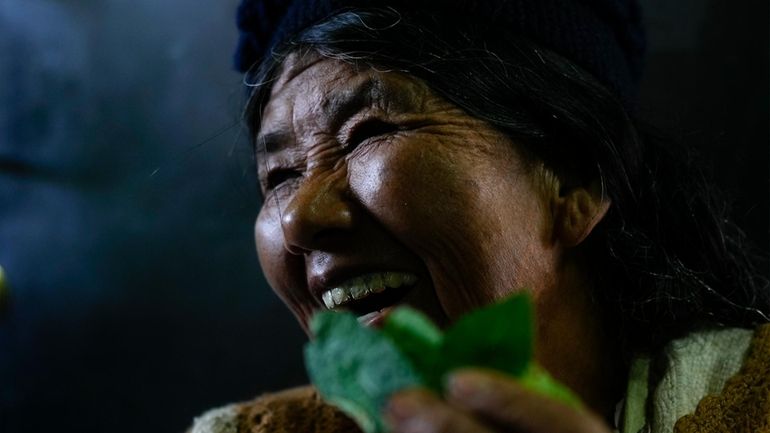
[(369, 293)]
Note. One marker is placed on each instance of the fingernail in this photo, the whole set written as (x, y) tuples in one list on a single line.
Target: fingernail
[(402, 407), (467, 383)]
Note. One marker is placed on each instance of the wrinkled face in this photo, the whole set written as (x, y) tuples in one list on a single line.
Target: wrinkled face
[(379, 193)]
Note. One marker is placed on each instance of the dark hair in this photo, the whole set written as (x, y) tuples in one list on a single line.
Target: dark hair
[(665, 259)]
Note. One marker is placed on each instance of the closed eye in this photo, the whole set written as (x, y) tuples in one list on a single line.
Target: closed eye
[(278, 176), (367, 129)]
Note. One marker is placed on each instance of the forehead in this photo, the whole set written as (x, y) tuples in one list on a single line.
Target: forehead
[(312, 82), (308, 82), (300, 67)]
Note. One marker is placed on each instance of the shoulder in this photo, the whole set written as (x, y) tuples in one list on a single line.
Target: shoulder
[(709, 380), (744, 401), (688, 369), (294, 410)]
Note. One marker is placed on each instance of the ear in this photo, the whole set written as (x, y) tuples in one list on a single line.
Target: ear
[(576, 211)]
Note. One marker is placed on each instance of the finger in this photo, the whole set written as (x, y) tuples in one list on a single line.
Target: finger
[(501, 400), (419, 411)]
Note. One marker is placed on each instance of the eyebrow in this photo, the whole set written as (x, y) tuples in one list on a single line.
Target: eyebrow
[(343, 105), (338, 107), (272, 141)]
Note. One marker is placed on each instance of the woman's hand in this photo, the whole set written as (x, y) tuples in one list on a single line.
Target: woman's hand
[(479, 401)]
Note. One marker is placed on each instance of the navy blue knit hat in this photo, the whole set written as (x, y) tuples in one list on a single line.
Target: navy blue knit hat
[(605, 37)]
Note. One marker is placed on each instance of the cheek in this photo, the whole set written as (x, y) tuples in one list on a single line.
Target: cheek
[(407, 191), (281, 269), (431, 205), (478, 226), (269, 241), (284, 272)]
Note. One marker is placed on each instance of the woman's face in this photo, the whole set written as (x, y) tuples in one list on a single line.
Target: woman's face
[(378, 193)]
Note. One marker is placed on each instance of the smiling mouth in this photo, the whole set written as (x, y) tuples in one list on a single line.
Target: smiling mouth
[(370, 293)]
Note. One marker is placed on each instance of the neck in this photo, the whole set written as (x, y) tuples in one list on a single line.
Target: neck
[(576, 346)]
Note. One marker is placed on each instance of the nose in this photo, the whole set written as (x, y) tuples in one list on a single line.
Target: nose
[(319, 212)]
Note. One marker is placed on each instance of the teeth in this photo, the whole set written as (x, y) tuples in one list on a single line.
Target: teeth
[(375, 283), (360, 287), (392, 279), (339, 296), (358, 291), (328, 300)]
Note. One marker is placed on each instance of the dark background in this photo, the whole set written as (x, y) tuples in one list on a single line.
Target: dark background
[(127, 200)]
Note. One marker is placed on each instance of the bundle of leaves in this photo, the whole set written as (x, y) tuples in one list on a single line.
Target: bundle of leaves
[(357, 368)]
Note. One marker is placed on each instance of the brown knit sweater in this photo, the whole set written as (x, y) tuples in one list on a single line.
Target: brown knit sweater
[(296, 410), (743, 406)]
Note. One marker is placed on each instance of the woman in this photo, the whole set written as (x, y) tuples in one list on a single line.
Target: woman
[(448, 158)]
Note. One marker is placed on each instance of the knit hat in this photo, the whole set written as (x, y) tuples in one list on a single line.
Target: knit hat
[(605, 37)]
